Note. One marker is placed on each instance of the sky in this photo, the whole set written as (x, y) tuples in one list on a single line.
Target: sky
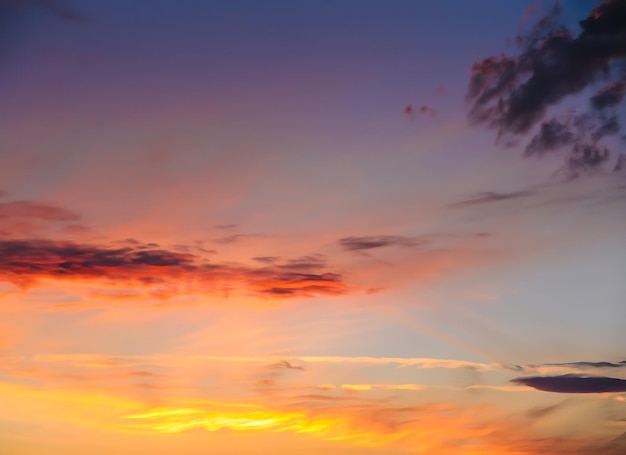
[(294, 226)]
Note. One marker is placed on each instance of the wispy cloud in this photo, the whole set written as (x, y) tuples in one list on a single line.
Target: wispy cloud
[(284, 364), (566, 366), (370, 242), (487, 197)]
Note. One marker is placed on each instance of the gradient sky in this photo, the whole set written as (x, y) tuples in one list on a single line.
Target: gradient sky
[(293, 226)]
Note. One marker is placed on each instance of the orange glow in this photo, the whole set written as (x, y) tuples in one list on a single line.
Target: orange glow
[(433, 429)]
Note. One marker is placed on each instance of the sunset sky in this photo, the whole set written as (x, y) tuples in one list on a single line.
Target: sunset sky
[(349, 227)]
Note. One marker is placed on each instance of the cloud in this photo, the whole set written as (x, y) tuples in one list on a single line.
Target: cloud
[(25, 262), (573, 383), (610, 96), (429, 428), (565, 366), (511, 94), (487, 197), (551, 136), (146, 269), (266, 259), (417, 362), (423, 110), (284, 364), (368, 387), (371, 242), (621, 364)]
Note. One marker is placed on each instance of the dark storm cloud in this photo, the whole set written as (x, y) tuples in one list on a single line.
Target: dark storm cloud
[(573, 383), (371, 242), (491, 196), (512, 93)]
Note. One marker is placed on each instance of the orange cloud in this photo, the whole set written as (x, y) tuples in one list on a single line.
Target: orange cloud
[(432, 428)]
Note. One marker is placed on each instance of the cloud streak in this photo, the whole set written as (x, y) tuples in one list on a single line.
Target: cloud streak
[(488, 197), (371, 242), (573, 383)]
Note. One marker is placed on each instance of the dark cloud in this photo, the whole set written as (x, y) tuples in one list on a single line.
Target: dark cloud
[(32, 257), (511, 94), (145, 269), (573, 383), (371, 242), (581, 133), (607, 127), (487, 197), (583, 159), (551, 136), (610, 96), (25, 262)]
